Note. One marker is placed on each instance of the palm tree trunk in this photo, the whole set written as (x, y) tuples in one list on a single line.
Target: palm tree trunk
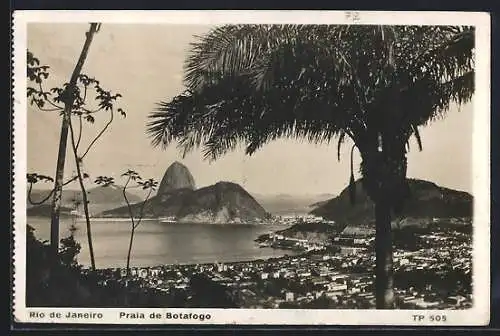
[(384, 292), (61, 156)]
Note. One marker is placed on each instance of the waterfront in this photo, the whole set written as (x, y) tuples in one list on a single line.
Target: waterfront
[(435, 275), (178, 264), (157, 243)]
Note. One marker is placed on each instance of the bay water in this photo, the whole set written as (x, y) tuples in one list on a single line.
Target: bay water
[(160, 243)]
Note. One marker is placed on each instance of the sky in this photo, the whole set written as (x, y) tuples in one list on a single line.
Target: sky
[(144, 63)]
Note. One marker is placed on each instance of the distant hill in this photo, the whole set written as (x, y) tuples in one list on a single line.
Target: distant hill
[(429, 207), (318, 204), (45, 210), (37, 195), (286, 204), (313, 232), (100, 198), (427, 201), (222, 202)]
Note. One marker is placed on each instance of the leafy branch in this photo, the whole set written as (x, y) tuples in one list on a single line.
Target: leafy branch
[(78, 95), (33, 178), (133, 180), (71, 100)]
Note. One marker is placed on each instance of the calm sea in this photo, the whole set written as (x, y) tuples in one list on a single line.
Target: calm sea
[(157, 243)]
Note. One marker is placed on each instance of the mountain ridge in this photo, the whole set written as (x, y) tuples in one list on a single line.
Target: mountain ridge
[(285, 204), (430, 207), (45, 210), (100, 198), (427, 200), (222, 202)]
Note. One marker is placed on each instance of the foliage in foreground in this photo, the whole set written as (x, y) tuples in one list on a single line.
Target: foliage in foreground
[(72, 100), (67, 284)]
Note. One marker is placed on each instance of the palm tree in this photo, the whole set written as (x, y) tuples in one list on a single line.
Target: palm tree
[(251, 84)]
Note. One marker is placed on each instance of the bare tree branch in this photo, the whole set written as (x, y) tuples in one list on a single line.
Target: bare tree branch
[(141, 212), (80, 126), (48, 100), (48, 110), (38, 202), (124, 191), (100, 133), (87, 111), (50, 193)]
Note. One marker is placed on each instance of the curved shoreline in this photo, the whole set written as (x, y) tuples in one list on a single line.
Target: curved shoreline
[(163, 221)]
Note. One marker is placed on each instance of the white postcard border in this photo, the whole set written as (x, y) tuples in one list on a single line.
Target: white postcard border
[(478, 315)]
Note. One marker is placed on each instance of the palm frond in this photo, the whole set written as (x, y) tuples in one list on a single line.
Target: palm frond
[(352, 182), (226, 51), (417, 136), (252, 84), (340, 141)]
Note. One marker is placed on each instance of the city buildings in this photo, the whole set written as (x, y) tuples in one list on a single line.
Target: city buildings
[(436, 274)]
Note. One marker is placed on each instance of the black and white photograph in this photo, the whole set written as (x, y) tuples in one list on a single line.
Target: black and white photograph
[(232, 167)]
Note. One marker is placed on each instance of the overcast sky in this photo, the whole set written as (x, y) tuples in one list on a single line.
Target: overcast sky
[(144, 63)]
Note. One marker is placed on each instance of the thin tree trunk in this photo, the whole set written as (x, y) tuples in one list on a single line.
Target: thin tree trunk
[(86, 211), (130, 248), (61, 155), (384, 292), (134, 224), (131, 214), (78, 162)]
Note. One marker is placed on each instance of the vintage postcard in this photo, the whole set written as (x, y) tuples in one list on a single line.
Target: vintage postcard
[(251, 167)]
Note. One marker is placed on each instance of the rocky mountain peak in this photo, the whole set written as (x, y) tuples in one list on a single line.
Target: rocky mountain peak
[(177, 176)]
